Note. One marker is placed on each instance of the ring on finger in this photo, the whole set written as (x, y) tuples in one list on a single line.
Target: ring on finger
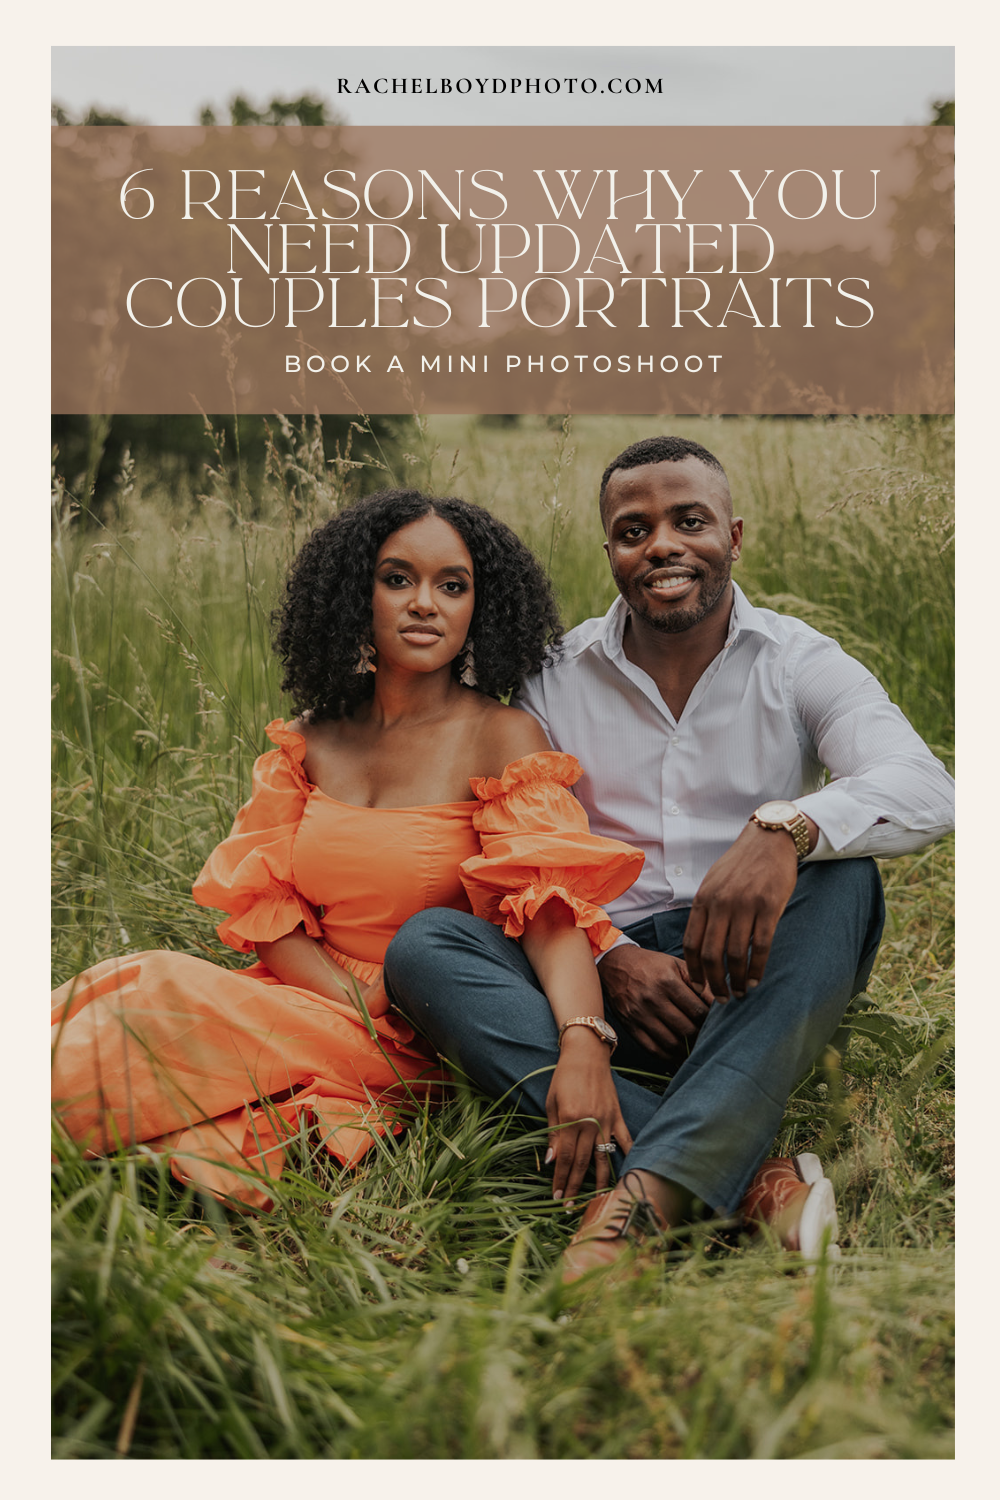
[(606, 1146)]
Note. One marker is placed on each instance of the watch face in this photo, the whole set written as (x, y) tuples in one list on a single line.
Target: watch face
[(776, 812)]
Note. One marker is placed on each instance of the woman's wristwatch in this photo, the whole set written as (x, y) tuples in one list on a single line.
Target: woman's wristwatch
[(596, 1023), (787, 816)]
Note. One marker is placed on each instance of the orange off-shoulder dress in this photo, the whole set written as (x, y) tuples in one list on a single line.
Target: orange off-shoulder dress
[(217, 1066)]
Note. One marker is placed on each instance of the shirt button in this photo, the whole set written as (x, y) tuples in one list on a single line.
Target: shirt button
[(674, 811), (844, 828), (676, 740), (678, 869)]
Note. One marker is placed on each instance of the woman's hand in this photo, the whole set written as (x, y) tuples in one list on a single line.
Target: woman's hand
[(375, 998), (582, 1109)]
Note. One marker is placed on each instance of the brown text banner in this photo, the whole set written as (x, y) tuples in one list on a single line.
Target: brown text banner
[(502, 270)]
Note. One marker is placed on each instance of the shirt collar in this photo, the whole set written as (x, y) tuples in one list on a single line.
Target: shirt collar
[(746, 617), (605, 632)]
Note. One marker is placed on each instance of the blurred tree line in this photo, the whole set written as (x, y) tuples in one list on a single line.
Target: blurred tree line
[(92, 451), (309, 110), (306, 110)]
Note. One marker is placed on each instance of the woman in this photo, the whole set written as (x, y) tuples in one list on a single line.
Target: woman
[(404, 621)]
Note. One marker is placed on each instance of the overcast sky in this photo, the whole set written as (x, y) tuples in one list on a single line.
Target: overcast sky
[(701, 85)]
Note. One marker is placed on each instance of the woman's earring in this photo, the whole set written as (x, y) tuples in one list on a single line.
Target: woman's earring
[(366, 661), (467, 676)]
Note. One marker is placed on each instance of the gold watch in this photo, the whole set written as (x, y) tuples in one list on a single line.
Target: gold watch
[(784, 815), (596, 1023)]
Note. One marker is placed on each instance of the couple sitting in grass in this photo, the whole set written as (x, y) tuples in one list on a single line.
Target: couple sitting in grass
[(696, 914)]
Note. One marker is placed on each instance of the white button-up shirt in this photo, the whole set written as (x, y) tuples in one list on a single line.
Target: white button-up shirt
[(778, 707)]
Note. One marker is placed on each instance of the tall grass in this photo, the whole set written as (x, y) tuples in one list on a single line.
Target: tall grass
[(408, 1309)]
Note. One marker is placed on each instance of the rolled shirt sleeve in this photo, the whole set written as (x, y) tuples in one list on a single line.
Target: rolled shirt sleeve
[(887, 793)]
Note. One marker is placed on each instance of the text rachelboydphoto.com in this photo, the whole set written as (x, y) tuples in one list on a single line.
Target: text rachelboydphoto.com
[(506, 364), (515, 87)]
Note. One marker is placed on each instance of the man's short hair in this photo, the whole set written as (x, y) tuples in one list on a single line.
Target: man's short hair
[(659, 450)]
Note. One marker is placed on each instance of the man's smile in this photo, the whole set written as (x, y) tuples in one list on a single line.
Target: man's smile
[(669, 583)]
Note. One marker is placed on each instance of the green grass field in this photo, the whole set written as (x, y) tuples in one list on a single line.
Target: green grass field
[(409, 1309)]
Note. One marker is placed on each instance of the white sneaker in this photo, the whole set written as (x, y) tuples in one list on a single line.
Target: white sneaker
[(819, 1213)]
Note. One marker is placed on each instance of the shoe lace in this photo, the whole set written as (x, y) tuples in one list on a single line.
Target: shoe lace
[(636, 1220)]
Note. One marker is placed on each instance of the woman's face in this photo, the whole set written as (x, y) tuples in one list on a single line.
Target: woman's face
[(423, 596)]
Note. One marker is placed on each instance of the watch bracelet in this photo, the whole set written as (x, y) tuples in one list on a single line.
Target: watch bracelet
[(590, 1023), (797, 827)]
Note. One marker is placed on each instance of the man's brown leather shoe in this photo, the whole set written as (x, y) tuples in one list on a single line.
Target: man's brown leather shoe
[(612, 1223), (791, 1195)]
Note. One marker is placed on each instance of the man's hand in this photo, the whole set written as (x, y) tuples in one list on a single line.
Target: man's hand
[(657, 997), (737, 909)]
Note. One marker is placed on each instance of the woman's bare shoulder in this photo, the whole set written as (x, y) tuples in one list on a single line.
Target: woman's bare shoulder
[(320, 735), (314, 731), (303, 725), (507, 734)]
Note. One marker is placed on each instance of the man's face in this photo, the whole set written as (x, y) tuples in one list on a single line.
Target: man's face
[(672, 540)]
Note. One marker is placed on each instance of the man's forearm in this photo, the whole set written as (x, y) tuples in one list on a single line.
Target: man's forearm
[(887, 793), (859, 816)]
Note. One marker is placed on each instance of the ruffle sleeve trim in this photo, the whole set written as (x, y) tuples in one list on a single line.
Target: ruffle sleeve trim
[(553, 766), (267, 916), (294, 746), (249, 875), (537, 847), (517, 911)]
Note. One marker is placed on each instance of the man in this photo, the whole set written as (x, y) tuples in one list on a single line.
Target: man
[(704, 726)]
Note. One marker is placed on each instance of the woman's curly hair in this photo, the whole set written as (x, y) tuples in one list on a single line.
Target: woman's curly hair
[(326, 614)]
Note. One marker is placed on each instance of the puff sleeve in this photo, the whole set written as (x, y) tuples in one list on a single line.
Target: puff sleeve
[(537, 847), (250, 874)]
